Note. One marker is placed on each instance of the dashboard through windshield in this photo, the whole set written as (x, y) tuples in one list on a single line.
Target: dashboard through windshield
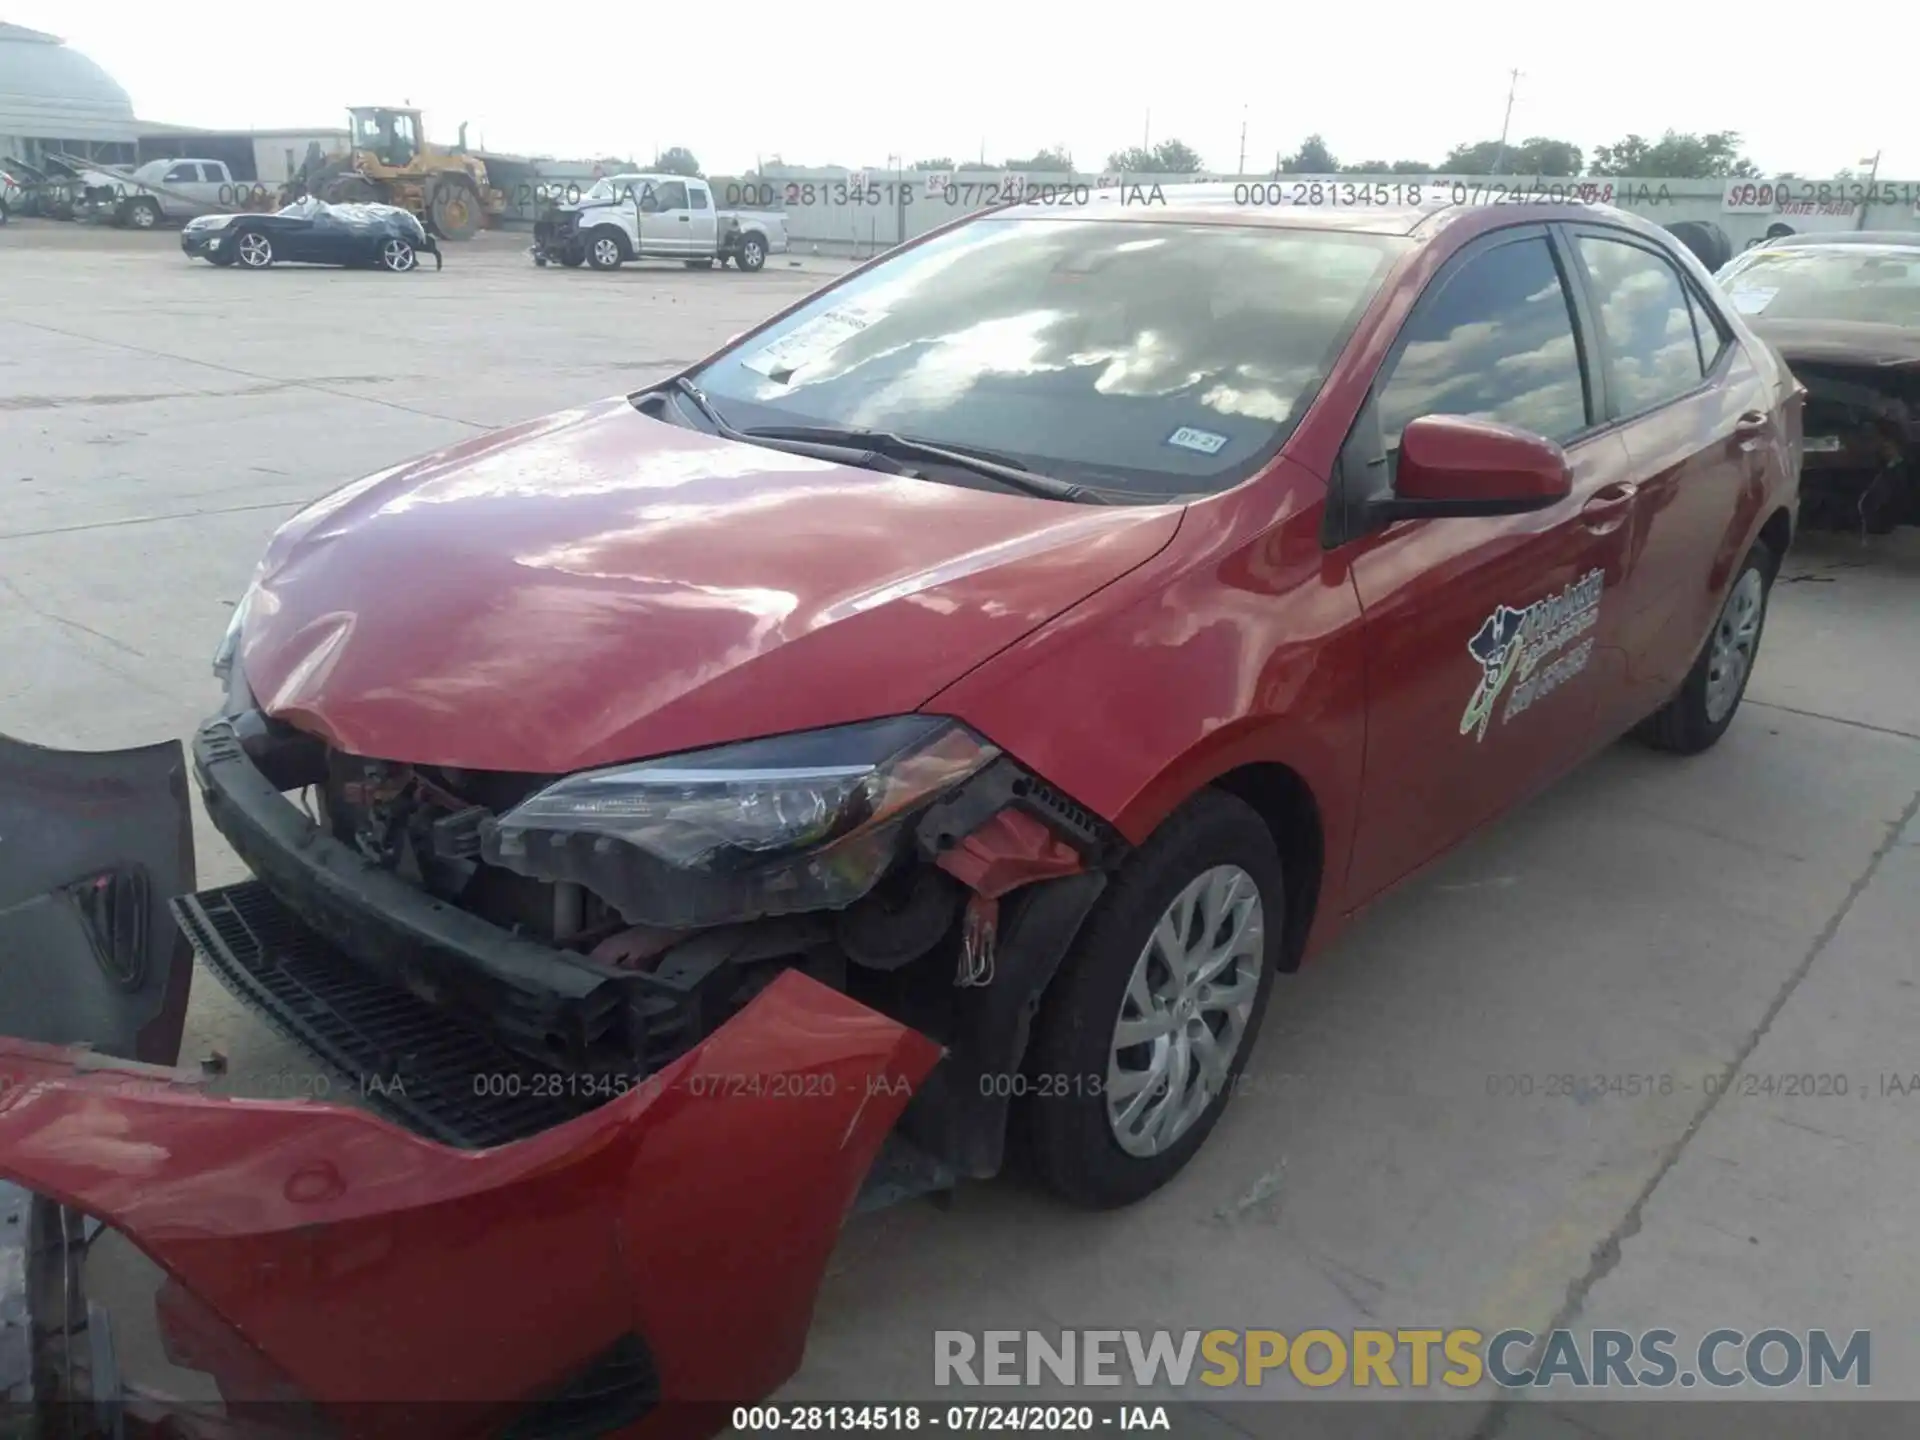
[(1146, 360)]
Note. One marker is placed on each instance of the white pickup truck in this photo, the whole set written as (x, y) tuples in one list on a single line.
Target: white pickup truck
[(655, 217), (168, 190)]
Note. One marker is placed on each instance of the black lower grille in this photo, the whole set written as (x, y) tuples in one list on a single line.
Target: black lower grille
[(408, 1059)]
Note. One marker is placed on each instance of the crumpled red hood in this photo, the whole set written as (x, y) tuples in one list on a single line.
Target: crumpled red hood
[(598, 586)]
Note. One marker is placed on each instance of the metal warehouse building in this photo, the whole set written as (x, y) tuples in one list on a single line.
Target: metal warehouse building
[(55, 101)]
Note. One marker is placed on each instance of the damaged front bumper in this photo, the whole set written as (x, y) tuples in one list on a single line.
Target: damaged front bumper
[(412, 996), (556, 238), (177, 1257)]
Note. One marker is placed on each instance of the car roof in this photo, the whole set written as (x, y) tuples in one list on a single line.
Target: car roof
[(1241, 203)]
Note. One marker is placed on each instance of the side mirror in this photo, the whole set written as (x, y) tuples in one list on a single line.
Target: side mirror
[(1451, 465)]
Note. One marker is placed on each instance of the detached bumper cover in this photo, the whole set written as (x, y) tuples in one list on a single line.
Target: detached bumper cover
[(634, 1269), (689, 1220)]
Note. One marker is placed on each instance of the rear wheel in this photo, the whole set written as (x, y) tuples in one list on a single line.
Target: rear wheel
[(1141, 1038), (1696, 718), (752, 253), (253, 249), (604, 250)]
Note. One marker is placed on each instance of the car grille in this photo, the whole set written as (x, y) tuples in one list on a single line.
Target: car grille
[(407, 1059), (556, 227)]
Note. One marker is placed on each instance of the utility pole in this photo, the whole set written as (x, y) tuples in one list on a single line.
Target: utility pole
[(1873, 171), (1146, 135), (1241, 169), (1513, 83)]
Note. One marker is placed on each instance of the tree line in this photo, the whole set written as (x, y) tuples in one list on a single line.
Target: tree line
[(1674, 155)]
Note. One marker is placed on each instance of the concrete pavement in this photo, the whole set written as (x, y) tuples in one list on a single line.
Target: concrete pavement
[(1404, 1152)]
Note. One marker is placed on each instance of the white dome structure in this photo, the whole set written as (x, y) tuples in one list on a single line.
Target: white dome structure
[(52, 93)]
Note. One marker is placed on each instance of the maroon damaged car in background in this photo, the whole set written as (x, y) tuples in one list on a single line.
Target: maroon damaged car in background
[(1843, 310)]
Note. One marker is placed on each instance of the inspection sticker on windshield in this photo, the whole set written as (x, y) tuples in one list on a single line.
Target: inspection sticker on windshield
[(1205, 441), (816, 339), (1752, 299)]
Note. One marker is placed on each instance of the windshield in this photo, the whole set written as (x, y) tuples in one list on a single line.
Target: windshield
[(1150, 360), (1841, 282), (614, 187)]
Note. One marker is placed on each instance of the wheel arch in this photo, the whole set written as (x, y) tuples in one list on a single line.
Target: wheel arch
[(1777, 533), (628, 251), (1285, 803)]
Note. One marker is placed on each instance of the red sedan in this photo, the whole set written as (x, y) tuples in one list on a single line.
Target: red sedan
[(956, 699)]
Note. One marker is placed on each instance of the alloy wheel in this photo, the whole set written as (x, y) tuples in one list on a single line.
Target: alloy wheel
[(1185, 1012), (256, 251), (1736, 635), (397, 255), (605, 253)]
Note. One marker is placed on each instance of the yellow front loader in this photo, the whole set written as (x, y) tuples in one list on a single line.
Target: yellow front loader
[(391, 163)]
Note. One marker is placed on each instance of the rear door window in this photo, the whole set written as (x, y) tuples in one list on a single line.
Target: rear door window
[(673, 195), (1646, 324), (1495, 343), (1711, 329)]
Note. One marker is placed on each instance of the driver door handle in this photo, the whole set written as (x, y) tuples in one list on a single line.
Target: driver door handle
[(1608, 508), (1750, 427)]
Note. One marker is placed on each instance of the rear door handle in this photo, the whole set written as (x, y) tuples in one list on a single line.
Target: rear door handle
[(1608, 507)]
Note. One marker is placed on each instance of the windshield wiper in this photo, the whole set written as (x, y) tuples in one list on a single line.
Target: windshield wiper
[(1007, 471), (865, 457)]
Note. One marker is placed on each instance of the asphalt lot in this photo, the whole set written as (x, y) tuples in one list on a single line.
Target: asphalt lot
[(1748, 913)]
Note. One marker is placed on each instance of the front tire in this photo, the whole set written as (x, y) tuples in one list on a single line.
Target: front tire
[(397, 255), (604, 251), (1142, 1036), (142, 214), (1709, 698), (253, 250)]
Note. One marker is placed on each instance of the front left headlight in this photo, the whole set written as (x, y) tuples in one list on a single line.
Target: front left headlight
[(229, 646), (808, 821)]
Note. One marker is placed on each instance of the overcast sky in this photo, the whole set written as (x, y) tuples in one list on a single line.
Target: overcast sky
[(852, 84)]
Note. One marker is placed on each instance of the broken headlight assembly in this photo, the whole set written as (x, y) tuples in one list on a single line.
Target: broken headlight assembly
[(793, 823)]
